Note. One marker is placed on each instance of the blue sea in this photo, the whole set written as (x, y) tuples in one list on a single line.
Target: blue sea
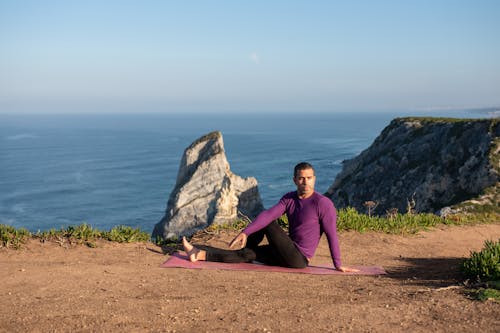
[(119, 169)]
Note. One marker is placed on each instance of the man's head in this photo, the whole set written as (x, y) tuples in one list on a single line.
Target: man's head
[(302, 166), (304, 178)]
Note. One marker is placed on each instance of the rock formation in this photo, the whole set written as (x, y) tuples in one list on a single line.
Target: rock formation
[(206, 191), (424, 164)]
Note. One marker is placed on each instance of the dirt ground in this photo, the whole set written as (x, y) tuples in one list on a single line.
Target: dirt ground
[(120, 287)]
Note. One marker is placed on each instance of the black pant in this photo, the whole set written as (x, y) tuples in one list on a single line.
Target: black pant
[(280, 251)]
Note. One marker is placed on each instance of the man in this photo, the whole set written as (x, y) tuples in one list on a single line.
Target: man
[(309, 215)]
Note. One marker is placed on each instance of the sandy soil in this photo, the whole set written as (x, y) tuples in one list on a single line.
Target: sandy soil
[(60, 288)]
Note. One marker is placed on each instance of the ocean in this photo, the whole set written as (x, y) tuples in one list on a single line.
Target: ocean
[(119, 169)]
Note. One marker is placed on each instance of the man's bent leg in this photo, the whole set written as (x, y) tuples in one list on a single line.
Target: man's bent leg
[(254, 239), (284, 251)]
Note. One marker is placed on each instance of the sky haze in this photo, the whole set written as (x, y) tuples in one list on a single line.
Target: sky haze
[(235, 56)]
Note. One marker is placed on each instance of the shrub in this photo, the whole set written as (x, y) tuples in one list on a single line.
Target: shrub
[(484, 265), (83, 232), (12, 237), (349, 219), (488, 294), (124, 234)]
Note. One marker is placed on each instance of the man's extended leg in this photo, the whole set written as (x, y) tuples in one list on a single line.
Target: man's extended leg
[(209, 253)]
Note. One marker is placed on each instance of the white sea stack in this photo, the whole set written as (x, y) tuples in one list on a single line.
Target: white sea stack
[(207, 192)]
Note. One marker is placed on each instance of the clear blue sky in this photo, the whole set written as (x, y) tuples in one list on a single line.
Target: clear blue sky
[(164, 56)]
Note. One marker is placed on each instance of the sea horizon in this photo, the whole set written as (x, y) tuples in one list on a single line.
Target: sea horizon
[(119, 169)]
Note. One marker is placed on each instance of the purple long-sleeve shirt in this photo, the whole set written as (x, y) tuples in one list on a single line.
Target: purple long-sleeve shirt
[(307, 219)]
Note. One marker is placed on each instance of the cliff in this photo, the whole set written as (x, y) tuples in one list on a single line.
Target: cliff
[(424, 164), (206, 191)]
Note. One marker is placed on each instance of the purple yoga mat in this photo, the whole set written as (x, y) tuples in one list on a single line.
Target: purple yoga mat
[(178, 260)]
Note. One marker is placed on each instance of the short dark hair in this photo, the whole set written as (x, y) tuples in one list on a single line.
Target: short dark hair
[(302, 166)]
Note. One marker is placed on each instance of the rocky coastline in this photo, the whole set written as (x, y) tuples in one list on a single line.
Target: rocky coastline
[(428, 165)]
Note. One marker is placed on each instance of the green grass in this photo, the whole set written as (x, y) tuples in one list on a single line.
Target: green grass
[(488, 294), (489, 291), (485, 266), (124, 234), (348, 219), (84, 233), (12, 237)]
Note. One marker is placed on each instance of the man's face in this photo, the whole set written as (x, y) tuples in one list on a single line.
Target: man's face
[(305, 179)]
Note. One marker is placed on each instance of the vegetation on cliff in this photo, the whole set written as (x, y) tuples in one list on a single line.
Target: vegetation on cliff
[(84, 233)]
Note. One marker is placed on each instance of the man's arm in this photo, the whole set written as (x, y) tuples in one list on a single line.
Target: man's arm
[(261, 221), (266, 217), (328, 218)]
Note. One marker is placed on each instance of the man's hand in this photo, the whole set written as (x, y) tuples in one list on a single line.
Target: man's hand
[(344, 269), (240, 241)]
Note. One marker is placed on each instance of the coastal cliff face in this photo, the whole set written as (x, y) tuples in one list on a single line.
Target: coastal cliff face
[(206, 191), (426, 164)]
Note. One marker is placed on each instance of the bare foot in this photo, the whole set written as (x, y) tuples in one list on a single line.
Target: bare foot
[(347, 269), (191, 251)]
